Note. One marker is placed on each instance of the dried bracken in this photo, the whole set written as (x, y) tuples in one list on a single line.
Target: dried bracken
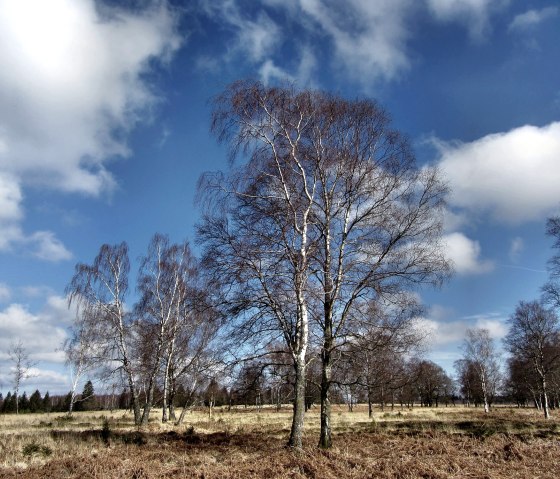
[(419, 443)]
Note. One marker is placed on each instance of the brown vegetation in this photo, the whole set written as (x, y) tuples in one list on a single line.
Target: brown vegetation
[(418, 443)]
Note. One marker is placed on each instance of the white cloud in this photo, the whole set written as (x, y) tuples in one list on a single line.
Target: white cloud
[(532, 18), (441, 333), (474, 14), (465, 255), (369, 38), (269, 71), (513, 176), (517, 245), (10, 199), (442, 329), (71, 87), (259, 37), (42, 379), (47, 247), (496, 327), (42, 334), (256, 38)]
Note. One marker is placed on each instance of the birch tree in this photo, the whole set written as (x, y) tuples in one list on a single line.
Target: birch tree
[(99, 291), (330, 209), (534, 336), (163, 284), (256, 229), (21, 367), (480, 352), (377, 220), (81, 356)]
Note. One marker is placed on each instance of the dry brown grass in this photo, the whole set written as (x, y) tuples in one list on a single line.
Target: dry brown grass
[(418, 443)]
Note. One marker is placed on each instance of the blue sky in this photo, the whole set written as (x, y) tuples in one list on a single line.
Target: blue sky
[(104, 131)]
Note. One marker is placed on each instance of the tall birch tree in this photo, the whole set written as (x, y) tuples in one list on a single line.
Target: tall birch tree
[(21, 367), (99, 291), (163, 284), (534, 336), (256, 231), (480, 352), (377, 221)]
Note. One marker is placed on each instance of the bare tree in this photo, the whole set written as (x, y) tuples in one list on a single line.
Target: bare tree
[(377, 221), (257, 232), (99, 291), (163, 284), (190, 353), (21, 369), (534, 336), (330, 209), (480, 352), (377, 349)]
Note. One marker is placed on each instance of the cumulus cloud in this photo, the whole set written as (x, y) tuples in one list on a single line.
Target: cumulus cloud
[(72, 86), (496, 327), (42, 334), (474, 14), (512, 176), (464, 253), (531, 18)]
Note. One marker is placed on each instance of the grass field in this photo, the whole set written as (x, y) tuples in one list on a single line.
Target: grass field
[(452, 442)]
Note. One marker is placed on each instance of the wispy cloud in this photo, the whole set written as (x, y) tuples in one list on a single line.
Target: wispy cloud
[(473, 14), (532, 18), (516, 247)]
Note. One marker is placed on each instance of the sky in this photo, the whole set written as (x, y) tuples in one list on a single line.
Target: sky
[(104, 131)]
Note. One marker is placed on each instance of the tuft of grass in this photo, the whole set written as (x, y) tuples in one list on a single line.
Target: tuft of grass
[(33, 449)]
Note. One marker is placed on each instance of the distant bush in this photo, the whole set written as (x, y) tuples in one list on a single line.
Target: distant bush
[(106, 432)]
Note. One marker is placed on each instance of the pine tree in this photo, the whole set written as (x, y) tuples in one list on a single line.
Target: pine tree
[(24, 403), (88, 397), (35, 402), (47, 406), (9, 403)]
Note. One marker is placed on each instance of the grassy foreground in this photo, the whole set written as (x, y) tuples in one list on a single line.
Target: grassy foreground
[(452, 442)]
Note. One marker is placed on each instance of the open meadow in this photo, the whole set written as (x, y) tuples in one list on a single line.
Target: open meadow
[(453, 442)]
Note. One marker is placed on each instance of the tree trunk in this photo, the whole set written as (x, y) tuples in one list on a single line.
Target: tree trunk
[(545, 398), (325, 439), (296, 433), (182, 415)]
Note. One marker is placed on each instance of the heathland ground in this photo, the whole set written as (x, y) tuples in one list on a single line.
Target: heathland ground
[(444, 442)]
